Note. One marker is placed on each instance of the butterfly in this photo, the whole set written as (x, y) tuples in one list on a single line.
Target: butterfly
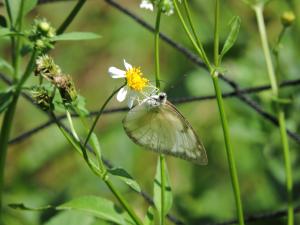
[(157, 125)]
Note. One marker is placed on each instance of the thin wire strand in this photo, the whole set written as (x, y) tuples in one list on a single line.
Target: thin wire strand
[(181, 100)]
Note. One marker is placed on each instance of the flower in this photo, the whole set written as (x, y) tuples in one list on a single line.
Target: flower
[(146, 4), (136, 84), (166, 6)]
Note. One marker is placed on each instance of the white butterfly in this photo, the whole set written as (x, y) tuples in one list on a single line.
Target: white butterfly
[(157, 125)]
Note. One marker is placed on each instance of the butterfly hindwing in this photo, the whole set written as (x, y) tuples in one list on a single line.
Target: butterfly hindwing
[(163, 129)]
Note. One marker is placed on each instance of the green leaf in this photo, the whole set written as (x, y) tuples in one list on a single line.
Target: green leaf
[(76, 36), (29, 5), (71, 217), (5, 99), (4, 32), (14, 6), (235, 24), (168, 198), (6, 65), (125, 177), (22, 206), (149, 218), (99, 207)]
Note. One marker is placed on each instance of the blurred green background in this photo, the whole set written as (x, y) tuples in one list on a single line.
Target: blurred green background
[(44, 169)]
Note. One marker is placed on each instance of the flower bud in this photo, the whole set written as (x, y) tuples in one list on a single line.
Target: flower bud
[(42, 98), (287, 18), (66, 88)]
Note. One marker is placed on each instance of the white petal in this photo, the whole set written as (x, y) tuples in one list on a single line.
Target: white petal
[(145, 4), (127, 65), (116, 73), (122, 94), (130, 102)]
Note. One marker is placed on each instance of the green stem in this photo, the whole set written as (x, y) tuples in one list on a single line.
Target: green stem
[(216, 33), (199, 43), (123, 202), (163, 187), (229, 152), (157, 78), (99, 114), (280, 113), (4, 137), (263, 35), (156, 47), (198, 49), (288, 168), (6, 126), (71, 16), (74, 141)]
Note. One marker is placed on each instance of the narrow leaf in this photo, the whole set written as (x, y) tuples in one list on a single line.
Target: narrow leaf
[(97, 206), (76, 36), (22, 206), (235, 24), (71, 217), (168, 198), (125, 177)]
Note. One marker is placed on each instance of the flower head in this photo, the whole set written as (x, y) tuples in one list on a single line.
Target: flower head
[(136, 84), (166, 6)]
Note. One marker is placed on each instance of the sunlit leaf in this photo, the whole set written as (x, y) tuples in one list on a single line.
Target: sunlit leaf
[(168, 198), (125, 177), (76, 36), (71, 217), (97, 206), (232, 36)]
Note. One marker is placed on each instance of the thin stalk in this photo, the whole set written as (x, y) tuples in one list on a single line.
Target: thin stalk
[(74, 141), (4, 137), (263, 35), (216, 33), (71, 16), (123, 202), (229, 152), (199, 43), (99, 114), (163, 187), (6, 126), (156, 47), (157, 78), (280, 112), (214, 75), (198, 49)]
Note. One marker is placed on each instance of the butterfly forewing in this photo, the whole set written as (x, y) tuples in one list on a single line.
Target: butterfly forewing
[(163, 129)]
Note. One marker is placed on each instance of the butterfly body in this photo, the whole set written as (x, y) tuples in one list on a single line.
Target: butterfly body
[(158, 126)]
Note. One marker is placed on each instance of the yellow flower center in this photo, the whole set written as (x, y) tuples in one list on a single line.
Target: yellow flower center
[(135, 79)]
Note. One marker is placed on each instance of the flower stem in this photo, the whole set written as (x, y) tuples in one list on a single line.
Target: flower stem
[(75, 142), (7, 123), (156, 47), (157, 78), (214, 75), (99, 114), (280, 112), (229, 152)]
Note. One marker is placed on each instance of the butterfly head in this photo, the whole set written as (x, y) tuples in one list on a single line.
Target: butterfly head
[(157, 100)]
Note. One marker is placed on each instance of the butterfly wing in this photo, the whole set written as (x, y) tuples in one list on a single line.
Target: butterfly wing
[(163, 129)]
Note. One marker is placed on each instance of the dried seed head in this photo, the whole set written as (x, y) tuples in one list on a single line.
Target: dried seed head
[(46, 67), (66, 88), (42, 98)]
